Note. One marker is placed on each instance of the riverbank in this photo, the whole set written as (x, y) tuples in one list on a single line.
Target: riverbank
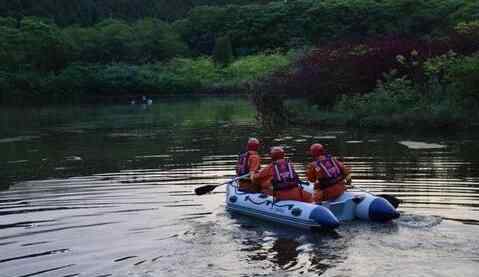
[(439, 92), (421, 68), (381, 83)]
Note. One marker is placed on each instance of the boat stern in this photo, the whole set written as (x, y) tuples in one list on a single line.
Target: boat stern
[(381, 210)]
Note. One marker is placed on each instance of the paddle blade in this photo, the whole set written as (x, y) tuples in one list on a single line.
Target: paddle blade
[(205, 189), (394, 201)]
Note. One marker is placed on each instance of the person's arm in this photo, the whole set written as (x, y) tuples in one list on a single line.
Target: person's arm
[(254, 163), (263, 177), (311, 173), (345, 170), (262, 174)]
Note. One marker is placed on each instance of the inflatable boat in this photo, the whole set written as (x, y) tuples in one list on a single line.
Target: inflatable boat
[(349, 206)]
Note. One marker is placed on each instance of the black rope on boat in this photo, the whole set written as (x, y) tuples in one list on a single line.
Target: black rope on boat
[(268, 202)]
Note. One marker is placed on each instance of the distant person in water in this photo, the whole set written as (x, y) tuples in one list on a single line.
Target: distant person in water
[(249, 162), (280, 180), (327, 173)]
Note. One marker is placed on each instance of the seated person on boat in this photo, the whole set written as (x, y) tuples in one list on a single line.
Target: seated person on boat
[(280, 180), (327, 173), (249, 162)]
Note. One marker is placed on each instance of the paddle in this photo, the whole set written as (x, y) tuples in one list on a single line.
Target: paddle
[(394, 201), (208, 188)]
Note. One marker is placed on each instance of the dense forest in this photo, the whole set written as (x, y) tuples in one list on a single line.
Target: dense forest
[(319, 49), (88, 12)]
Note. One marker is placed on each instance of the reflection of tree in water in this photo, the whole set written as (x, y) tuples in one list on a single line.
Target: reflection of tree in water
[(328, 256), (285, 252), (111, 138), (4, 184), (270, 107), (255, 248), (310, 253)]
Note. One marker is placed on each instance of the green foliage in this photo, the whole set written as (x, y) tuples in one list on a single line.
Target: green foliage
[(71, 49), (435, 67), (114, 38), (253, 25), (35, 44), (179, 75), (468, 10), (147, 40), (122, 31), (253, 67), (155, 40), (391, 98), (451, 97), (359, 18), (10, 55), (251, 28), (188, 75), (286, 24), (469, 30), (8, 22), (455, 76), (44, 45), (88, 12), (223, 51), (77, 79), (464, 77)]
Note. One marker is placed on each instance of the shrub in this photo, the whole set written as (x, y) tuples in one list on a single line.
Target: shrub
[(395, 95), (255, 66), (329, 72), (468, 10), (451, 97), (456, 77), (469, 31)]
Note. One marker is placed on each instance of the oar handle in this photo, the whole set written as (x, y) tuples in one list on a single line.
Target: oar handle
[(348, 179), (208, 188)]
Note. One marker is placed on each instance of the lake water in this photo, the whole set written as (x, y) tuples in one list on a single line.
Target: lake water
[(108, 191)]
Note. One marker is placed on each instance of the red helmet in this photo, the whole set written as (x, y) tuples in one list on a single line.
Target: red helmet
[(276, 153), (253, 144), (316, 150)]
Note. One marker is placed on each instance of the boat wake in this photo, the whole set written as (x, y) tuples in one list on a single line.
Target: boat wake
[(419, 221)]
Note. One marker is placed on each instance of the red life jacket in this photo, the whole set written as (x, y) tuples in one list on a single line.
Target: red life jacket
[(242, 166), (332, 171), (284, 176)]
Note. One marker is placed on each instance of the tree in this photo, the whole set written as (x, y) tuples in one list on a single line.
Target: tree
[(223, 51), (43, 45), (114, 39), (156, 40)]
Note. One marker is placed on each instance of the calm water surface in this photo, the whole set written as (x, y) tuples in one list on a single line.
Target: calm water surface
[(107, 191)]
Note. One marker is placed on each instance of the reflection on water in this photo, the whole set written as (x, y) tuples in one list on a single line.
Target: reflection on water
[(108, 191)]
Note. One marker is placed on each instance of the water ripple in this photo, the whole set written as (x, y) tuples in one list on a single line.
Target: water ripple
[(50, 252), (124, 205)]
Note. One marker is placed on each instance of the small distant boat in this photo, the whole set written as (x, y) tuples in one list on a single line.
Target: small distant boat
[(143, 101), (349, 206)]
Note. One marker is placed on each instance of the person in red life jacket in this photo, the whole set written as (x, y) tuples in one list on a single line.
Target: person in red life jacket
[(327, 173), (280, 180), (249, 162)]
